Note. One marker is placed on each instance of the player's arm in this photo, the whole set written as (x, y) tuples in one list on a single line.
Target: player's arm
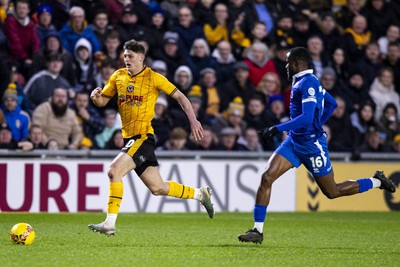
[(99, 99), (329, 106), (195, 125), (303, 119)]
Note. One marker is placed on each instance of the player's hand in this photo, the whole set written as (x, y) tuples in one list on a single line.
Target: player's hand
[(95, 94), (197, 130), (267, 133)]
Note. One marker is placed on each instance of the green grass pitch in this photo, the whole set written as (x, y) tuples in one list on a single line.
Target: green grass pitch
[(192, 239)]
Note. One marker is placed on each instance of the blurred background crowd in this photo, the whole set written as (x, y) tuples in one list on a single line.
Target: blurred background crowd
[(226, 56)]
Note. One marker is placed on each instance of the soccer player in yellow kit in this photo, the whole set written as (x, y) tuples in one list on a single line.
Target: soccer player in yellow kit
[(138, 87)]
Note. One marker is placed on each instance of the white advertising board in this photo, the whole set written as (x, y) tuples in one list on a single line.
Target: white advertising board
[(77, 185)]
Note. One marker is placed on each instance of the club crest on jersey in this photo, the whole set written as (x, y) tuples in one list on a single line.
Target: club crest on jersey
[(311, 91), (130, 88)]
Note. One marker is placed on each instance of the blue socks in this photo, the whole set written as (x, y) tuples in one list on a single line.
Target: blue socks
[(365, 184), (260, 213)]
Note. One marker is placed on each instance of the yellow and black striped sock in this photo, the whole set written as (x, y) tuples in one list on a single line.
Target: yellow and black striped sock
[(115, 197), (180, 190)]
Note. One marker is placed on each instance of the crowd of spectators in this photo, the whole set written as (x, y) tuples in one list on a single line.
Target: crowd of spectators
[(226, 56)]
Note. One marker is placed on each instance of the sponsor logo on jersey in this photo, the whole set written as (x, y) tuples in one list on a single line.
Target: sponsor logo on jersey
[(132, 100)]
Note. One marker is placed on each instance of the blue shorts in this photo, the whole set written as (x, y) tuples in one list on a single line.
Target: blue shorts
[(313, 154)]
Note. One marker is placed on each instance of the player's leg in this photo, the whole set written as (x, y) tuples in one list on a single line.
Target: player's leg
[(121, 165), (316, 160), (281, 161), (332, 190), (152, 179)]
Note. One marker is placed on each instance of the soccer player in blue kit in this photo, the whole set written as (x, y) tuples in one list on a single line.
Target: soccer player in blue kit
[(310, 107)]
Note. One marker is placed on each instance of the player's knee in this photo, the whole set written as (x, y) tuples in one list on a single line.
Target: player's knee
[(112, 174), (267, 179)]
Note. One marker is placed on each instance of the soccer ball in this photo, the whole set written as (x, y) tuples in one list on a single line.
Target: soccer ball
[(22, 234)]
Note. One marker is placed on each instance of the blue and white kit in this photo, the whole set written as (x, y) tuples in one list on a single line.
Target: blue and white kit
[(310, 107)]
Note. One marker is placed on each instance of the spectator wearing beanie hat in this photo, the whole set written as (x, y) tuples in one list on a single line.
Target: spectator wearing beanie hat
[(233, 117), (17, 120), (238, 85), (160, 67), (229, 140), (357, 91), (170, 54), (44, 24)]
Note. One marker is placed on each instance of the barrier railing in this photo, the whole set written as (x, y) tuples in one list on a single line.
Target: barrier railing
[(338, 156)]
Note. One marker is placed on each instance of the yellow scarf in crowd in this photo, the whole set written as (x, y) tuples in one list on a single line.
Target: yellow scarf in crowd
[(3, 15), (360, 39)]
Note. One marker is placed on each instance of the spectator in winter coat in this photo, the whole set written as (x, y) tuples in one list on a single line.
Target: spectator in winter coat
[(129, 28), (383, 92), (259, 62), (170, 53), (89, 120), (187, 29), (23, 41), (344, 135), (77, 28), (389, 123), (53, 47), (84, 65), (41, 86), (17, 120), (356, 38), (200, 58), (58, 121), (224, 61), (238, 85), (44, 26)]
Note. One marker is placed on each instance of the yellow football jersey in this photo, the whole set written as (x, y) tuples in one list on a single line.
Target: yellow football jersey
[(137, 96)]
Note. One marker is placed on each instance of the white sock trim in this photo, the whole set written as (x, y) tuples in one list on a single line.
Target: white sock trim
[(197, 194), (259, 226), (375, 182), (111, 219)]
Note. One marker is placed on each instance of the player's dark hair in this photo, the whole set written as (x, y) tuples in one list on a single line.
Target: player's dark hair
[(300, 54), (135, 46)]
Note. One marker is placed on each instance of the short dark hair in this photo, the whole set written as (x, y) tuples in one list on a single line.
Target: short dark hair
[(113, 34), (135, 46), (33, 126), (394, 43), (108, 62), (53, 57), (300, 53)]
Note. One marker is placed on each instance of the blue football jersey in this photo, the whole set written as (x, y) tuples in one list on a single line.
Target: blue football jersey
[(307, 88)]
